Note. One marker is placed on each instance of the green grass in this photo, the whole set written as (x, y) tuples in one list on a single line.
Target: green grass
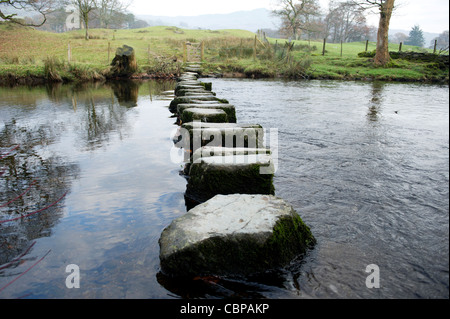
[(159, 50)]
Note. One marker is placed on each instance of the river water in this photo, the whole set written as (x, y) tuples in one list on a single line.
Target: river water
[(86, 180)]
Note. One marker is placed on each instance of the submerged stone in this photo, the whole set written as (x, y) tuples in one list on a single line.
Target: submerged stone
[(234, 235)]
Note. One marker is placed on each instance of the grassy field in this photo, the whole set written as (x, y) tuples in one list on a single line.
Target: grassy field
[(25, 52)]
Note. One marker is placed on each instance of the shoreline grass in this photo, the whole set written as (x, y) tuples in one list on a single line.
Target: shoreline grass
[(27, 55)]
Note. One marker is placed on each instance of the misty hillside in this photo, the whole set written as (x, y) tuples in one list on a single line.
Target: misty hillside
[(246, 20)]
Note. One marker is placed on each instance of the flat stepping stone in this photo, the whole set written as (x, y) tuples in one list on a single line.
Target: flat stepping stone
[(188, 99), (191, 69), (194, 91), (194, 94), (227, 108), (194, 85), (192, 136), (226, 153), (204, 115), (225, 175), (210, 151), (234, 235)]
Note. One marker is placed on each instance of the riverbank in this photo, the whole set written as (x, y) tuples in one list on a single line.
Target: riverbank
[(29, 56)]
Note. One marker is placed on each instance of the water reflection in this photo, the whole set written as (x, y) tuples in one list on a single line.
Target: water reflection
[(41, 129), (126, 92), (368, 181), (32, 187), (252, 287), (376, 101)]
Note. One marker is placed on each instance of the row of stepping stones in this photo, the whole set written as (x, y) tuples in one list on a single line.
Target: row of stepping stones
[(237, 225)]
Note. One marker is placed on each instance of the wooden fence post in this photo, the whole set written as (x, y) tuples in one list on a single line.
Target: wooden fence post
[(202, 55), (435, 46), (184, 52), (109, 50), (400, 47), (254, 48), (69, 53), (324, 43), (341, 48), (367, 45), (240, 48)]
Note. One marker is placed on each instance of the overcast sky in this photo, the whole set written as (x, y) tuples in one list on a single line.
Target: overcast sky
[(430, 15)]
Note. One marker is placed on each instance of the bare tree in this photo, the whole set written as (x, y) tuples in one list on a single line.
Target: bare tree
[(345, 22), (442, 42), (296, 15), (400, 37), (42, 7), (107, 9), (85, 7), (386, 8)]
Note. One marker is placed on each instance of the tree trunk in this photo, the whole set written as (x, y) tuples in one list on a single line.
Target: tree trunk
[(86, 21), (382, 56)]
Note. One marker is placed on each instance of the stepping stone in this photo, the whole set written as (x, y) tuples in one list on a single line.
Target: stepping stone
[(228, 108), (194, 65), (191, 69), (190, 99), (234, 235), (194, 85), (192, 136), (204, 115), (225, 175), (210, 151), (226, 152), (194, 91)]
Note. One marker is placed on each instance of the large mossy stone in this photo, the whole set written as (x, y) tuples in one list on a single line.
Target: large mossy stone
[(124, 63), (226, 175), (204, 115), (227, 108), (234, 235)]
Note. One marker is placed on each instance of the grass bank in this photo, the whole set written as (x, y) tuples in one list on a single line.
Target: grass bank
[(28, 55)]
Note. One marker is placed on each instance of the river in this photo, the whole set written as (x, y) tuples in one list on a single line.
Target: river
[(86, 179)]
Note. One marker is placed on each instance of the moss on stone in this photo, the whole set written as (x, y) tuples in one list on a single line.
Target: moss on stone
[(290, 235), (239, 253)]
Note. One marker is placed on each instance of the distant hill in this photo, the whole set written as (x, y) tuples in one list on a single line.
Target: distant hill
[(245, 20)]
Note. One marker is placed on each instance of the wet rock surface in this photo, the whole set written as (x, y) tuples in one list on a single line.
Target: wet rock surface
[(234, 235)]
